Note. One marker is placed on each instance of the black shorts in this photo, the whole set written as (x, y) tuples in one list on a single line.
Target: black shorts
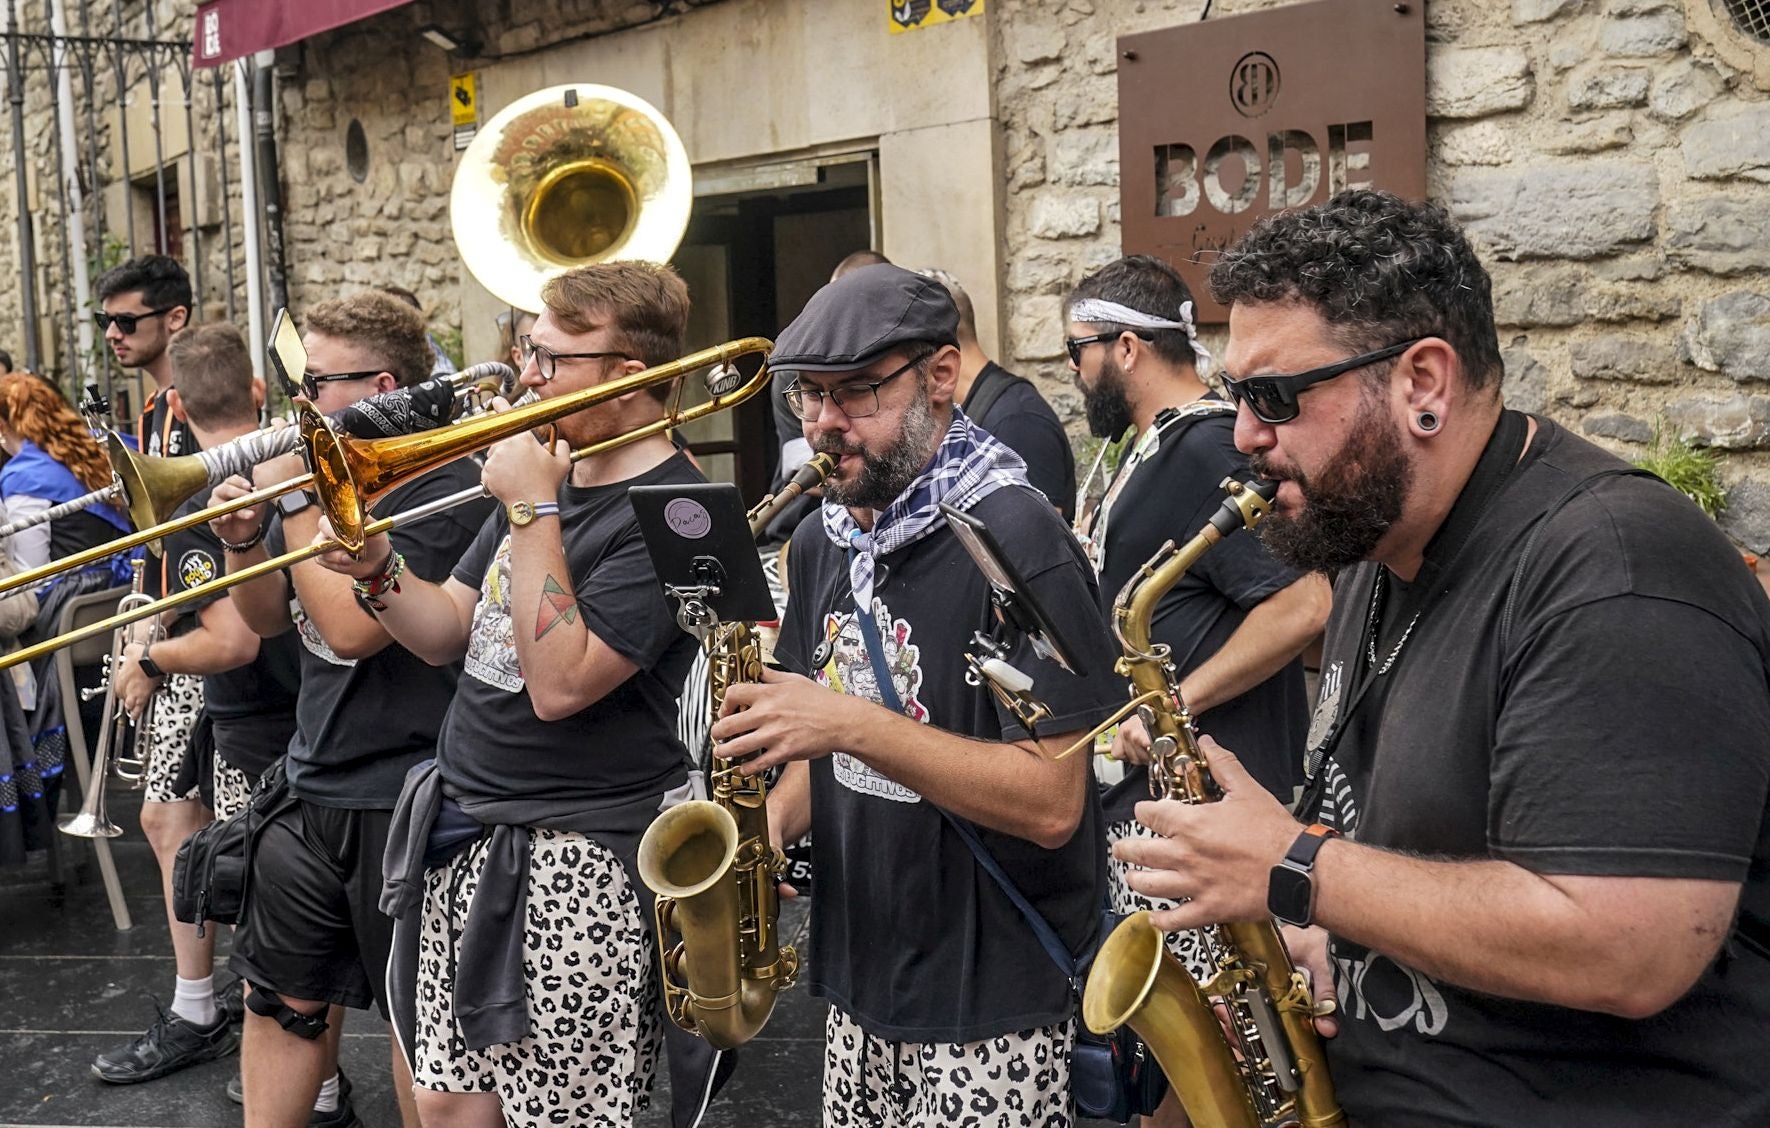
[(313, 928)]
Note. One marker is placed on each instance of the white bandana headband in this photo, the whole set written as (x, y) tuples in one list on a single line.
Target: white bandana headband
[(1098, 310)]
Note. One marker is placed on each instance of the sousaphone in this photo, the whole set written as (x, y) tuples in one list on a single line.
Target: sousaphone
[(566, 176)]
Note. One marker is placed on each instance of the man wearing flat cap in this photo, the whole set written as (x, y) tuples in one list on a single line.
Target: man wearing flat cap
[(943, 1003)]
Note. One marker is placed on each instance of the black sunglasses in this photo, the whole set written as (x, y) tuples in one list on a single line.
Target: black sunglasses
[(1074, 345), (310, 384), (1273, 399), (126, 322)]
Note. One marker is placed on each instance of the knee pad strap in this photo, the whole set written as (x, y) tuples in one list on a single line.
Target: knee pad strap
[(268, 1004)]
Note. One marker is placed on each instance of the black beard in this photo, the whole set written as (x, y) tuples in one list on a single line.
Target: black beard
[(884, 476), (1107, 409), (1349, 505)]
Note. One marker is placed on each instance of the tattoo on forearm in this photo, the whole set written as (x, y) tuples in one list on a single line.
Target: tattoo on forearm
[(557, 606)]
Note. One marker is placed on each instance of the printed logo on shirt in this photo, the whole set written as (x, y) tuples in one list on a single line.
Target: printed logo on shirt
[(850, 670), (491, 642), (1374, 988), (1327, 706), (196, 568), (310, 636)]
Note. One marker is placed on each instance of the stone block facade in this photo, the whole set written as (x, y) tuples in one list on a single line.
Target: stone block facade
[(1609, 163)]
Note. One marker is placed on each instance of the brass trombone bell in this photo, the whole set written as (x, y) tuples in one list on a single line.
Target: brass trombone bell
[(153, 488), (353, 473), (566, 176)]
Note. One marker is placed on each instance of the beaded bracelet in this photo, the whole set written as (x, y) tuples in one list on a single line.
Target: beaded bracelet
[(372, 589), (243, 546)]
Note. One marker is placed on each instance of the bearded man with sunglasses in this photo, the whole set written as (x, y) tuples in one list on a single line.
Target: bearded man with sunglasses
[(314, 941), (142, 303), (1238, 620), (1539, 869), (943, 1004)]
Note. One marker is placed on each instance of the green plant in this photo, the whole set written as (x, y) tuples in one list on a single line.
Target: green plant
[(450, 340), (1692, 470)]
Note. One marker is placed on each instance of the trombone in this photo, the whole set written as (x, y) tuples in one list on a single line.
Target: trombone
[(151, 489), (350, 474)]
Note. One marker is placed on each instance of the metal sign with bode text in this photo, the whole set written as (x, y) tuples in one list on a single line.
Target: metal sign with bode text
[(1225, 121)]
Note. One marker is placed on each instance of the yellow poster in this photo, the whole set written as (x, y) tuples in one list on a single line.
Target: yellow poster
[(913, 15), (464, 98)]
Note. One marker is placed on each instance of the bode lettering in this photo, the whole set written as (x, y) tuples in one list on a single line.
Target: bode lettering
[(1287, 172)]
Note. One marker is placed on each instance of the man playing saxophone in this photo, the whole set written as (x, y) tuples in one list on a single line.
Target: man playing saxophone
[(1539, 779), (540, 1005), (943, 1005)]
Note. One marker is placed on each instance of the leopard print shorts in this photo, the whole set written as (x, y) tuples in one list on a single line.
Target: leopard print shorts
[(1014, 1081), (176, 706), (233, 789), (596, 1026), (1188, 947)]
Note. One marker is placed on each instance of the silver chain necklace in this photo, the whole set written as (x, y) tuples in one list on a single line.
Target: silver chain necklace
[(1378, 590)]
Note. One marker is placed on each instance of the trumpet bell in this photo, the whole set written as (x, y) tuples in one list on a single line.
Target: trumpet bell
[(154, 488), (565, 176), (89, 824)]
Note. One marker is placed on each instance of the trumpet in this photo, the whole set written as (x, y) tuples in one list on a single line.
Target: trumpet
[(351, 474), (92, 820), (150, 489)]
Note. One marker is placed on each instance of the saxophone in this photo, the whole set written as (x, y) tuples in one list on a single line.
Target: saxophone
[(712, 867), (1260, 1064)]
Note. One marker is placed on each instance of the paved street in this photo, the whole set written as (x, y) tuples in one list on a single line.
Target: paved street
[(71, 985)]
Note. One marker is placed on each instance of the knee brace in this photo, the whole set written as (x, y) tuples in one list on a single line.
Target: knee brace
[(268, 1004)]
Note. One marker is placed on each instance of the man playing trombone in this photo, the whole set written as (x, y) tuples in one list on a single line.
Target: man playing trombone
[(561, 738), (313, 937)]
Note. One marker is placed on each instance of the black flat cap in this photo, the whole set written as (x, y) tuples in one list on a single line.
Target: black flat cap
[(863, 315)]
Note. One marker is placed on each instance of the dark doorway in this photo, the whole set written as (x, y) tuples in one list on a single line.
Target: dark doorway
[(752, 259)]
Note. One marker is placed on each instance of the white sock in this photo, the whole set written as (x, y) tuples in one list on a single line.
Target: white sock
[(327, 1101), (194, 1000)]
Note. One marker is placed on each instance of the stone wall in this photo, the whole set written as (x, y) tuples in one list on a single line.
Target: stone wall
[(1613, 169)]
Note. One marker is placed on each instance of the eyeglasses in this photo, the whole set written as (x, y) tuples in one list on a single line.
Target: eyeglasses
[(857, 400), (126, 322), (310, 383), (1273, 399), (547, 361), (1074, 345)]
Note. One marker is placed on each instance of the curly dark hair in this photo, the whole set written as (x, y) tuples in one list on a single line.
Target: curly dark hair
[(1147, 285), (1379, 269), (163, 283)]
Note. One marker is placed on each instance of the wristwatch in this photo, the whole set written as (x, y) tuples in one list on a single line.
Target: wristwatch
[(523, 513), (294, 502), (149, 667), (1290, 889)]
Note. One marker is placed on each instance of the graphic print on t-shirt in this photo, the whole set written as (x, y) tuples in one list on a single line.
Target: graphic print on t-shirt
[(310, 636), (850, 670), (491, 644)]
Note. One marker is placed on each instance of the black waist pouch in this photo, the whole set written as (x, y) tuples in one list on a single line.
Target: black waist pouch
[(214, 865)]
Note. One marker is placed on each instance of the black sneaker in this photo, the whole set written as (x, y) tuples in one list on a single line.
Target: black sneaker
[(232, 1000), (170, 1044)]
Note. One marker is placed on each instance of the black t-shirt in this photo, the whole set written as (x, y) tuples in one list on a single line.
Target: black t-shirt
[(160, 434), (908, 934), (364, 722), (1020, 417), (254, 703), (623, 746), (1616, 726), (1170, 494)]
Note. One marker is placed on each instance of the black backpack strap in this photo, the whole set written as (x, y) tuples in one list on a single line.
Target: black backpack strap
[(994, 381)]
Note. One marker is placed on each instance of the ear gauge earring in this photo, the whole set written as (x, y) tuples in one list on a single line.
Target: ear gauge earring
[(1428, 421)]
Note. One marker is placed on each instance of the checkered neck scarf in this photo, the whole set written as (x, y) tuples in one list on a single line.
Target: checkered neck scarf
[(970, 465)]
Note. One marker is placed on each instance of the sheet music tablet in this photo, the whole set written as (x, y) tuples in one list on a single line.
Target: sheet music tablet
[(698, 535)]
